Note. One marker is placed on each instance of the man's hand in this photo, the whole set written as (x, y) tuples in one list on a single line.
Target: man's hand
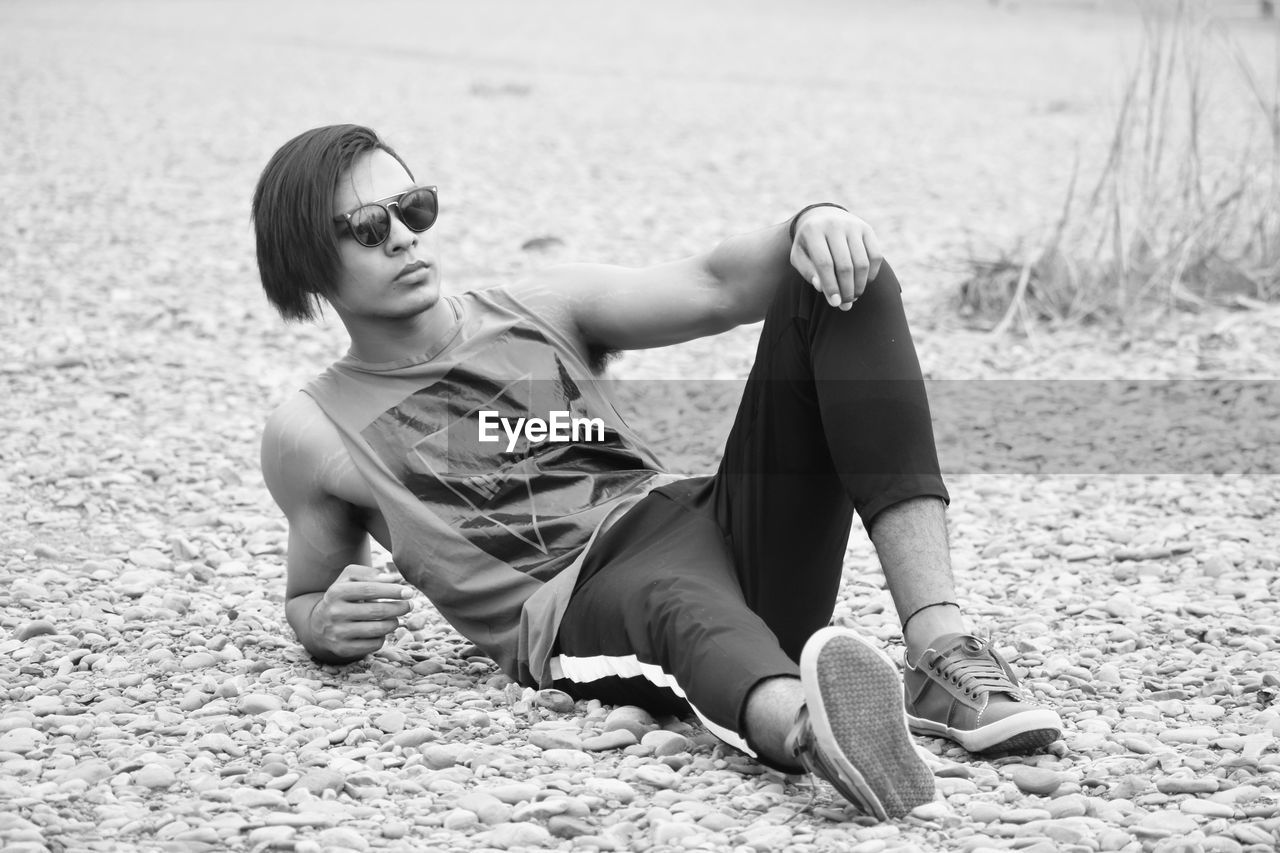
[(358, 611), (837, 253)]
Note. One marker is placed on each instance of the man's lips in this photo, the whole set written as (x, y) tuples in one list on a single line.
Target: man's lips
[(412, 269)]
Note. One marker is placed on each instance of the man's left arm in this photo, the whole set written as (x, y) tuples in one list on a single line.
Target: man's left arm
[(621, 308)]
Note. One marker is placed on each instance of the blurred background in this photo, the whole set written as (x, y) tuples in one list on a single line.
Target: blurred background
[(630, 133)]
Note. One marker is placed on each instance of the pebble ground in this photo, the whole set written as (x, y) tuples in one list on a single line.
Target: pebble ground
[(152, 696)]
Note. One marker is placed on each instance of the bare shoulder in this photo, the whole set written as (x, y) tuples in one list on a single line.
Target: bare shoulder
[(300, 430), (303, 457)]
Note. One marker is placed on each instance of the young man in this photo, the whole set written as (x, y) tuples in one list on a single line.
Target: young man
[(468, 435)]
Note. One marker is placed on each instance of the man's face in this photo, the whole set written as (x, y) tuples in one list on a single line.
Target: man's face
[(387, 281)]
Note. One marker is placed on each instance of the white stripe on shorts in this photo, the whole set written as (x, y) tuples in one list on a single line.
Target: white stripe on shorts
[(584, 670)]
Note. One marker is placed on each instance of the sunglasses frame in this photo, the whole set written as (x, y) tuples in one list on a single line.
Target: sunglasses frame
[(386, 203)]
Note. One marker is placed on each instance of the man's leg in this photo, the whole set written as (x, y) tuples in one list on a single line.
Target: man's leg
[(911, 541), (657, 619), (835, 418)]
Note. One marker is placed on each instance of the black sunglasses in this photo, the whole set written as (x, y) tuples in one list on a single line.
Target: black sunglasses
[(370, 223)]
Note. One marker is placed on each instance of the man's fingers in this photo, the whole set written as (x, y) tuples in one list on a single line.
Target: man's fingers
[(802, 265), (369, 630), (847, 269), (874, 255), (812, 259), (371, 590)]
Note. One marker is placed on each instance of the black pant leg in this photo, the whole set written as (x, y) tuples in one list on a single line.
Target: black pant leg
[(834, 419)]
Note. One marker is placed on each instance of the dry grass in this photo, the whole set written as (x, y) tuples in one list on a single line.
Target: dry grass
[(1165, 226)]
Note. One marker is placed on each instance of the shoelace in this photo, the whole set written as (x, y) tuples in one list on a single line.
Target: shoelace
[(972, 667)]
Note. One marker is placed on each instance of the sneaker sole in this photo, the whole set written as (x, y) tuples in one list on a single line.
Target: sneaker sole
[(863, 730), (1019, 733)]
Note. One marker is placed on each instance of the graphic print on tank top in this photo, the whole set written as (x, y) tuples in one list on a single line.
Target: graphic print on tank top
[(522, 507)]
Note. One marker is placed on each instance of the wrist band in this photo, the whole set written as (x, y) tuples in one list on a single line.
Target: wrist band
[(795, 220)]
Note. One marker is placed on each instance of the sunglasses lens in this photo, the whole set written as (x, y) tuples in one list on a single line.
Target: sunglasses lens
[(370, 225), (419, 209)]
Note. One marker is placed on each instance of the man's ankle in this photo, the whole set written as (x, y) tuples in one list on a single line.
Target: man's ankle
[(929, 624), (771, 711)]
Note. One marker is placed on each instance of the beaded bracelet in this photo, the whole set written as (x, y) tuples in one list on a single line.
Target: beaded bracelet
[(795, 220)]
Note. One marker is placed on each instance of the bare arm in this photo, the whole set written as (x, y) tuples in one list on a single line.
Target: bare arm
[(340, 607), (622, 308)]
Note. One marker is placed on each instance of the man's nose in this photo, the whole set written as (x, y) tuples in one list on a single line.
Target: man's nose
[(400, 237)]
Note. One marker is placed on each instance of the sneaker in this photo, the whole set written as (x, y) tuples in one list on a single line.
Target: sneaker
[(851, 730), (962, 690)]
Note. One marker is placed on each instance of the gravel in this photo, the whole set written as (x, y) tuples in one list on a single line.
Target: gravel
[(152, 696)]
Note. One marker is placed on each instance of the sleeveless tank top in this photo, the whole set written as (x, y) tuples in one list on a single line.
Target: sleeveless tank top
[(490, 519)]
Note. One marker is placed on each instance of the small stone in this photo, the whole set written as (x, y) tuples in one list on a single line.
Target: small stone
[(1035, 780), (219, 742), (258, 703), (508, 835), (320, 779), (555, 739), (1187, 785), (92, 771), (563, 826), (199, 660), (1215, 566), (665, 743), (1108, 673), (571, 758), (441, 756), (343, 837), (670, 832), (767, 838), (1251, 833), (249, 798), (460, 820), (22, 740), (541, 810), (469, 718), (414, 737), (1069, 805), (395, 829), (1023, 815), (658, 775), (612, 789), (154, 776), (984, 812), (272, 836), (616, 739), (1169, 823), (514, 793), (1119, 606), (935, 810), (34, 628), (1112, 838), (954, 770), (487, 807), (636, 720), (1065, 831), (1129, 786), (392, 722), (1206, 808), (1189, 734), (554, 700)]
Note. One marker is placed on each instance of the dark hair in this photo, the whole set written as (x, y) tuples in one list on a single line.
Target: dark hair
[(293, 214)]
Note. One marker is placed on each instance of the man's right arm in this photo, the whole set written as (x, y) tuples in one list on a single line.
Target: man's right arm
[(341, 608)]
